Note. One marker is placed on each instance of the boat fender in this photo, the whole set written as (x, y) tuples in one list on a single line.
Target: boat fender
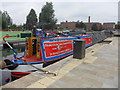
[(10, 64), (2, 64)]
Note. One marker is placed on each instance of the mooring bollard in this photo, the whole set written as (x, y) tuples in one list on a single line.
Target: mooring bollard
[(79, 49)]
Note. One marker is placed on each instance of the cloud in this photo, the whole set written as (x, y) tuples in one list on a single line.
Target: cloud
[(19, 10), (59, 0), (99, 12), (71, 11)]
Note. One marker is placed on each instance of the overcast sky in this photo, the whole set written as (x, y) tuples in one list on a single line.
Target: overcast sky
[(70, 10)]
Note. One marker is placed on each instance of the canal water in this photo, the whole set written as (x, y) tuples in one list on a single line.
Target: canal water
[(7, 53)]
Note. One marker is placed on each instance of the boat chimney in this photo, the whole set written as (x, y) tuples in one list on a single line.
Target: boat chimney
[(34, 31)]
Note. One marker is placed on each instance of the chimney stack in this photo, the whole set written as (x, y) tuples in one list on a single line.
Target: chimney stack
[(89, 19)]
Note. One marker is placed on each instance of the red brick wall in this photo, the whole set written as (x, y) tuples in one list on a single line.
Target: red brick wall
[(108, 26), (89, 26), (71, 25)]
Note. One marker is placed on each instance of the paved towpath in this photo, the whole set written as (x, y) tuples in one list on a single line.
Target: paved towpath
[(99, 69)]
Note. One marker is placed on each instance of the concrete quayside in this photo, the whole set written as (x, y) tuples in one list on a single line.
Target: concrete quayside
[(99, 69)]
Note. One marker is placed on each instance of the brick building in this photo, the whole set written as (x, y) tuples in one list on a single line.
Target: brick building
[(69, 25), (72, 25), (89, 25), (109, 26)]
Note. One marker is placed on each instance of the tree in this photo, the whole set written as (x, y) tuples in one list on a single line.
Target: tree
[(80, 25), (14, 26), (0, 20), (24, 26), (95, 27), (101, 28), (9, 21), (117, 26), (31, 19), (77, 25), (6, 20), (47, 18)]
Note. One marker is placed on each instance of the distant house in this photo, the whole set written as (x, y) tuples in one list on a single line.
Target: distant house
[(89, 25), (108, 26), (68, 25), (72, 25)]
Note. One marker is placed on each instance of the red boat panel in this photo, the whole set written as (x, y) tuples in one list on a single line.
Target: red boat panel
[(88, 40), (31, 59), (57, 48)]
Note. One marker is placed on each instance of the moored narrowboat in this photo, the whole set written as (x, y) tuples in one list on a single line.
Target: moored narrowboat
[(40, 50)]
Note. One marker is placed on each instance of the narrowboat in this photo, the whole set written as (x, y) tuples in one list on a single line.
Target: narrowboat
[(40, 50)]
